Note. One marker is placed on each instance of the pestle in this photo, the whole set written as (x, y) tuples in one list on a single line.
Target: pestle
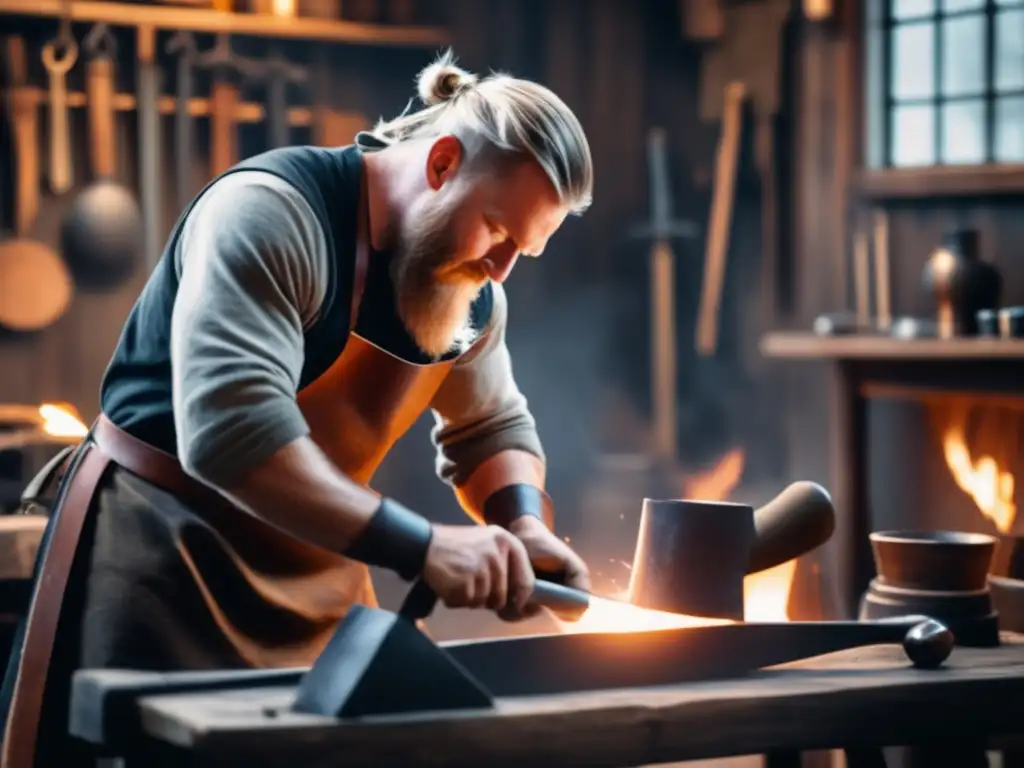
[(799, 519)]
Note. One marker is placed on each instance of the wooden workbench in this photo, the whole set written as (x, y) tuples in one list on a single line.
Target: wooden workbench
[(20, 536), (858, 700)]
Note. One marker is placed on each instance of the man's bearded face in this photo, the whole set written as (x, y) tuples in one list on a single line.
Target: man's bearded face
[(434, 298)]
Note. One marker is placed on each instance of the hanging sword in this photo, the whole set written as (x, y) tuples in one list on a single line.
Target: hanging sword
[(660, 229)]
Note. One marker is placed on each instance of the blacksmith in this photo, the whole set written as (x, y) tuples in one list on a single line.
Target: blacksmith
[(311, 304)]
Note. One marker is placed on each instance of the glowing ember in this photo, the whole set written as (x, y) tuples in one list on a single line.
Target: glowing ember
[(765, 594), (982, 478), (616, 615)]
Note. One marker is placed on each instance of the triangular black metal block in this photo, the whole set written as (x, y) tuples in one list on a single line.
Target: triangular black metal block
[(378, 663)]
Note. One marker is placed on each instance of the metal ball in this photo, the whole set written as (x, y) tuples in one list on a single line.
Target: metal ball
[(102, 232), (928, 644)]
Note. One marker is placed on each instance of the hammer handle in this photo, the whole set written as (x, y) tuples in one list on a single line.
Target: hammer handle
[(799, 519), (568, 603), (717, 246)]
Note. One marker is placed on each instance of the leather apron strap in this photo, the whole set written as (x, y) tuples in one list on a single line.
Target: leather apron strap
[(19, 743), (107, 444)]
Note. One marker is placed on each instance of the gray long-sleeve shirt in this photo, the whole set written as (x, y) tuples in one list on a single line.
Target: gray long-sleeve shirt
[(253, 263)]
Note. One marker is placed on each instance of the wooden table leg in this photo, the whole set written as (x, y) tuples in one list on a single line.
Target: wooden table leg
[(865, 758), (849, 480)]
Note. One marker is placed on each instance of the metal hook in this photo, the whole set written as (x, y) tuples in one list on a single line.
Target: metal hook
[(65, 35), (58, 57), (101, 41), (61, 53), (221, 56), (289, 70), (183, 43)]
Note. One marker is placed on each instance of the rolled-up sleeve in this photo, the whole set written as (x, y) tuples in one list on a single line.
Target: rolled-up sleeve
[(478, 410), (252, 264)]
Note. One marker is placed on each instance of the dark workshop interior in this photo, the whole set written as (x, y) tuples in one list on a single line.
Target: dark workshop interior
[(801, 264)]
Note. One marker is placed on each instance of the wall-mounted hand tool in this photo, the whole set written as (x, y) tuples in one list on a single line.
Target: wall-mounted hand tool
[(101, 235)]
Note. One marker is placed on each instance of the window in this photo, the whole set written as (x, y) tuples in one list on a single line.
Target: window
[(944, 82)]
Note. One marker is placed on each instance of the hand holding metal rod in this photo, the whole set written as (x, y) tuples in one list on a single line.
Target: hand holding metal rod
[(565, 602)]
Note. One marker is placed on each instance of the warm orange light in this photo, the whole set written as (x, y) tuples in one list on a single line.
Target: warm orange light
[(284, 8), (982, 478), (61, 421), (765, 594)]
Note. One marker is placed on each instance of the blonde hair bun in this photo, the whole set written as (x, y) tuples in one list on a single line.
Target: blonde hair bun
[(442, 80)]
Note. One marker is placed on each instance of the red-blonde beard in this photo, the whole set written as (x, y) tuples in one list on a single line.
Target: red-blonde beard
[(435, 309)]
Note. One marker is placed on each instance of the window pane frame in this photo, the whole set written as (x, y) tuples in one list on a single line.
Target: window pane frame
[(880, 104)]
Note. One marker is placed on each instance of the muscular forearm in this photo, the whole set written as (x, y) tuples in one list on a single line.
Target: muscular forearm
[(500, 470), (300, 491)]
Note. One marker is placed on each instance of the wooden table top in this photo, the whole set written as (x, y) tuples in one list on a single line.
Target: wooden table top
[(859, 698), (20, 536)]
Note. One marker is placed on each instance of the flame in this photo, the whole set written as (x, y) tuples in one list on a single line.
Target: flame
[(765, 595), (982, 478), (61, 420), (718, 482)]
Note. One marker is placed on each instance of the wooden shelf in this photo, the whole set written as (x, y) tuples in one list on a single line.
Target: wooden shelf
[(809, 346), (941, 181), (246, 111), (214, 22), (942, 396)]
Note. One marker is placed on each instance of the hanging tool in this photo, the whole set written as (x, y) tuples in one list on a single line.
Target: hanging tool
[(883, 294), (225, 67), (183, 45), (750, 52), (720, 225), (101, 235), (334, 128), (861, 277), (281, 73), (661, 229), (59, 55), (229, 71), (35, 285), (150, 144)]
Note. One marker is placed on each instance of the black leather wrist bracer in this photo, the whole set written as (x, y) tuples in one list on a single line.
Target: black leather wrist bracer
[(396, 538), (515, 501)]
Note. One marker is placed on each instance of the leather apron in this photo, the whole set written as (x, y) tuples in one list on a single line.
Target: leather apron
[(356, 410)]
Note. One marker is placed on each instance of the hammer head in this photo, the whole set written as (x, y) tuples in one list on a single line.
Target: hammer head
[(691, 557)]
